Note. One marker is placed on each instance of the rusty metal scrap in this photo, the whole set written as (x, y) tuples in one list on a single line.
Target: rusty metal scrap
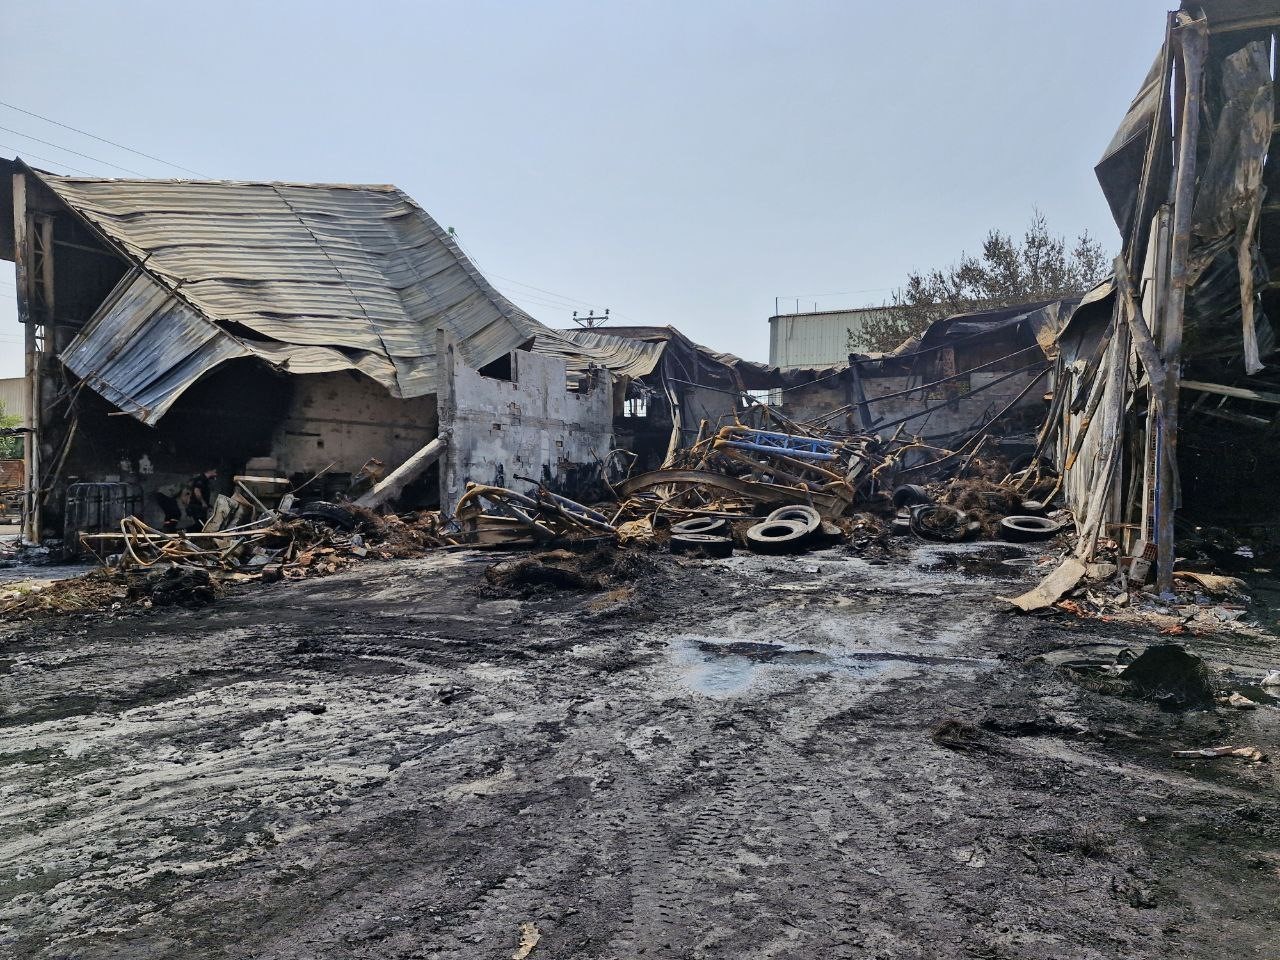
[(488, 516)]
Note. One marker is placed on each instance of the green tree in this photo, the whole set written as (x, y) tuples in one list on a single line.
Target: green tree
[(1040, 266), (11, 445)]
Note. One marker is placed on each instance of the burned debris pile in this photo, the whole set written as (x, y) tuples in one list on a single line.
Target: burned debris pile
[(784, 491)]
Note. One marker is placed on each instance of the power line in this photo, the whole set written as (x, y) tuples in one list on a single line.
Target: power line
[(94, 136), (36, 156), (58, 146), (571, 303), (521, 283), (539, 298)]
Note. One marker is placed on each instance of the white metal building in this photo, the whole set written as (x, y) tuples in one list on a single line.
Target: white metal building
[(13, 396), (802, 340)]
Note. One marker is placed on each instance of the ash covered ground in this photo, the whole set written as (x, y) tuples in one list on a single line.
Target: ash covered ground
[(721, 759)]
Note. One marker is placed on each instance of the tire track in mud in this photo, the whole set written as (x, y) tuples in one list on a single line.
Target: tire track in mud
[(501, 762)]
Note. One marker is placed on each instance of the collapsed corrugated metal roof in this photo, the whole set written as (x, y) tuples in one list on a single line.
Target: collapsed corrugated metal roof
[(309, 278), (635, 352), (581, 349)]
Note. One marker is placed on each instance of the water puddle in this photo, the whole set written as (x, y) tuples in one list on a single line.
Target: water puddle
[(989, 560), (725, 667)]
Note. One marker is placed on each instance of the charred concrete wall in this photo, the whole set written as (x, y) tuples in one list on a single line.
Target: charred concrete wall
[(527, 426), (344, 419)]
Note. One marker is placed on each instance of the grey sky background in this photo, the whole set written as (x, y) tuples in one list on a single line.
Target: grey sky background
[(681, 163)]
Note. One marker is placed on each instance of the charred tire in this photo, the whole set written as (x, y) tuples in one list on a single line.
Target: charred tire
[(716, 525), (777, 536), (806, 515), (936, 521), (330, 513), (1027, 529), (901, 526), (909, 494), (701, 543), (829, 533)]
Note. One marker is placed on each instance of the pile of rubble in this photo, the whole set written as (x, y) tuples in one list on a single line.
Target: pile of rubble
[(766, 491)]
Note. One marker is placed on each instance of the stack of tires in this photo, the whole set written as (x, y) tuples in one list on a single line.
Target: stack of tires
[(709, 536), (785, 530)]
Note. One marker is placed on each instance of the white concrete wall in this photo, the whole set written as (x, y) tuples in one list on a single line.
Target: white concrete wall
[(344, 419), (531, 427)]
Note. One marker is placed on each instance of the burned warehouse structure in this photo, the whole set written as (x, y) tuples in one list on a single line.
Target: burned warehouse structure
[(357, 610), (1167, 405), (312, 329)]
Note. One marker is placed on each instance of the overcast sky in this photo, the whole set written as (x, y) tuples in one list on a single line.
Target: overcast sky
[(681, 163)]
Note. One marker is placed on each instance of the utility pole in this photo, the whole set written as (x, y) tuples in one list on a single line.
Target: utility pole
[(591, 320)]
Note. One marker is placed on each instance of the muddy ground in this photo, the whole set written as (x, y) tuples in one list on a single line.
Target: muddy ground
[(735, 760)]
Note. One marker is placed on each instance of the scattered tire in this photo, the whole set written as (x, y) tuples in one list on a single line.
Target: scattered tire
[(901, 525), (806, 515), (829, 533), (937, 521), (330, 513), (1033, 507), (1026, 529), (777, 536), (909, 494), (703, 543), (716, 525)]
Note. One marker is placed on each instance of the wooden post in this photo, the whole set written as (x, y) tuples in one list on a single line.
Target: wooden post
[(1193, 38)]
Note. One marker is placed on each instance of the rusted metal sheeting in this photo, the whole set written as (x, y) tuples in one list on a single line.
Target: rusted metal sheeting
[(309, 277)]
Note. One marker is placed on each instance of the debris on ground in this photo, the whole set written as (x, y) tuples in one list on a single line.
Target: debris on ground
[(1172, 677), (36, 599), (1252, 754), (497, 516), (597, 570), (560, 569), (1238, 700), (957, 735), (986, 502), (529, 937)]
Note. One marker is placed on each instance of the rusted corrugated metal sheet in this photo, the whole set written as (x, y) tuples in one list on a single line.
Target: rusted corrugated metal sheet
[(311, 278)]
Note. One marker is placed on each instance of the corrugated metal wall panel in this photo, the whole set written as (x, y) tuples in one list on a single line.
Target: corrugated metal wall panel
[(13, 396), (801, 340)]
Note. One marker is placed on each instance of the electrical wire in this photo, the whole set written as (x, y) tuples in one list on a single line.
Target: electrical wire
[(58, 146), (560, 296), (94, 136), (36, 156)]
